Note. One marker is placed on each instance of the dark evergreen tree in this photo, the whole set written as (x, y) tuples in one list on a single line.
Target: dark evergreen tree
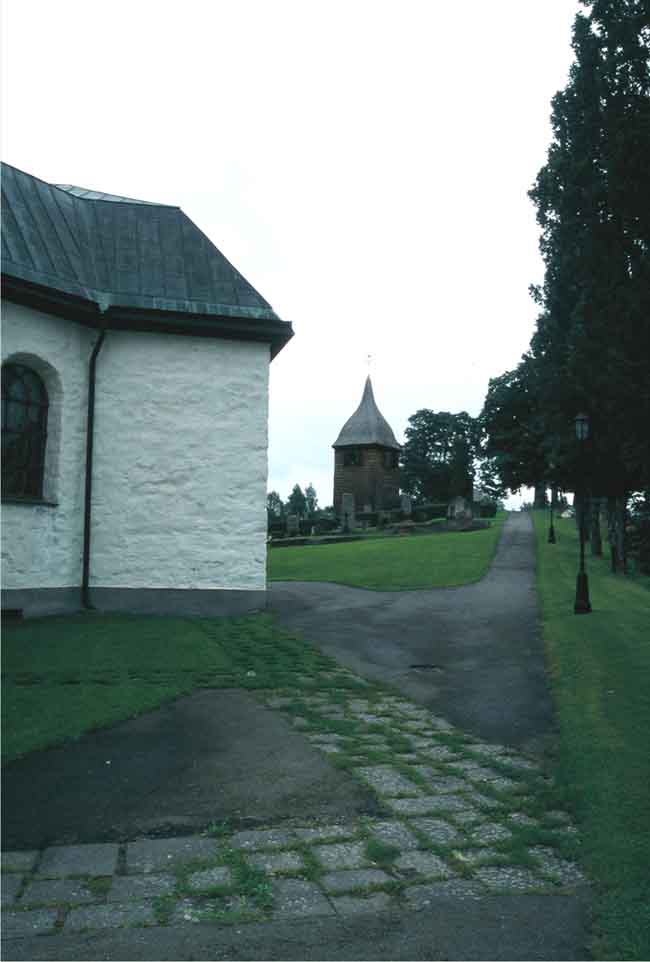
[(311, 499), (297, 503), (592, 345), (274, 504), (591, 350)]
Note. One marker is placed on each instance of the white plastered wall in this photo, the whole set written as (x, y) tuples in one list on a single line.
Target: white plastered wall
[(180, 461)]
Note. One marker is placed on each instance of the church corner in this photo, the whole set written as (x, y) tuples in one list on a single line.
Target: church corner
[(135, 405)]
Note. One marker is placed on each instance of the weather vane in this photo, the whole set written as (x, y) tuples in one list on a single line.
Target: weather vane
[(369, 360)]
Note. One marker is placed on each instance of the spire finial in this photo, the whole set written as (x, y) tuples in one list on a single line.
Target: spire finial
[(369, 359)]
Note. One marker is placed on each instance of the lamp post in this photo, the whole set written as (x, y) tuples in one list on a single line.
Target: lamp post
[(551, 530), (582, 604)]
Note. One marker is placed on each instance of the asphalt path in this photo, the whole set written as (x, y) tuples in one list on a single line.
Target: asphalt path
[(200, 759), (478, 647)]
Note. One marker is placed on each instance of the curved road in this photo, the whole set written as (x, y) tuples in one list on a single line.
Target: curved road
[(482, 640)]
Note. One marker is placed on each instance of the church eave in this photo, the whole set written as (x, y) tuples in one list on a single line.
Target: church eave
[(340, 445), (88, 311)]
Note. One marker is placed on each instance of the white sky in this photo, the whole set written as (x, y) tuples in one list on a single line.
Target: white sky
[(364, 164)]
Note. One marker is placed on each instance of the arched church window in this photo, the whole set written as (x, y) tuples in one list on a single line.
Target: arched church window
[(24, 431)]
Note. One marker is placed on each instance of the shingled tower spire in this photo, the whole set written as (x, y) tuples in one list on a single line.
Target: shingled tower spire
[(366, 457)]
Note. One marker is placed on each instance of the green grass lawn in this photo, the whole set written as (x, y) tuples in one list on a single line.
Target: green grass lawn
[(392, 563), (600, 668), (64, 676)]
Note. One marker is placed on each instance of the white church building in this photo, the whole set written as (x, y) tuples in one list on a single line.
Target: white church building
[(135, 366)]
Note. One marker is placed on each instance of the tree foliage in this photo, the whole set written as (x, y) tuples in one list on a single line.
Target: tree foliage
[(274, 504), (311, 498), (591, 349), (437, 458), (514, 427), (297, 503)]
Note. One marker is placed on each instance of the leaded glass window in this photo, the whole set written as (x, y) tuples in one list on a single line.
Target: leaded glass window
[(24, 431)]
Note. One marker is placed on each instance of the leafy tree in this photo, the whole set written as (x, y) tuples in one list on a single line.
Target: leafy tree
[(297, 503), (461, 470), (274, 504), (437, 458), (311, 499), (514, 428), (489, 480)]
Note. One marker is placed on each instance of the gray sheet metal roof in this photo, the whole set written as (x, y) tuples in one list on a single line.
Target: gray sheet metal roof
[(367, 425), (120, 253), (100, 195)]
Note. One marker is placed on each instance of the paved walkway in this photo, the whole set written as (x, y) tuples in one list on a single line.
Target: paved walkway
[(465, 853), (482, 640)]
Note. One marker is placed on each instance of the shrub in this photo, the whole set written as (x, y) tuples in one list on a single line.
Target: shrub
[(429, 511), (320, 525)]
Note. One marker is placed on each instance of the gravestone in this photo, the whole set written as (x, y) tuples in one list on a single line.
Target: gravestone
[(293, 525), (459, 509), (405, 501), (459, 514), (348, 515)]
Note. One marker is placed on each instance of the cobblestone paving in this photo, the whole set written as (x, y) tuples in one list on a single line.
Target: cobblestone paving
[(455, 816)]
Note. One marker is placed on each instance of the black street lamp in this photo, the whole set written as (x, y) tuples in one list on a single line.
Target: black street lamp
[(582, 604)]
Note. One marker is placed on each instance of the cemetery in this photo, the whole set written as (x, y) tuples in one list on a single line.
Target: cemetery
[(426, 555)]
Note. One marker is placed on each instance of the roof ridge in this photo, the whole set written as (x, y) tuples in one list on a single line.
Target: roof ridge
[(105, 197)]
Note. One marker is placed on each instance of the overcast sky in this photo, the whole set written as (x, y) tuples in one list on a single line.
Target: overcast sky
[(364, 164)]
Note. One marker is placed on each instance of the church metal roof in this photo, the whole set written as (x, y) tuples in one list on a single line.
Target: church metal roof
[(367, 425), (127, 254), (100, 195)]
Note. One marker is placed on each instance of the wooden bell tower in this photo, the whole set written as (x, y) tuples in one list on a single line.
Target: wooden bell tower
[(366, 459)]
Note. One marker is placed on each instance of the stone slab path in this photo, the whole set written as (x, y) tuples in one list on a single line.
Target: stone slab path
[(456, 818)]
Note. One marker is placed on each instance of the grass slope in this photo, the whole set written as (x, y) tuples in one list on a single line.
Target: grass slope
[(600, 667), (392, 563)]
